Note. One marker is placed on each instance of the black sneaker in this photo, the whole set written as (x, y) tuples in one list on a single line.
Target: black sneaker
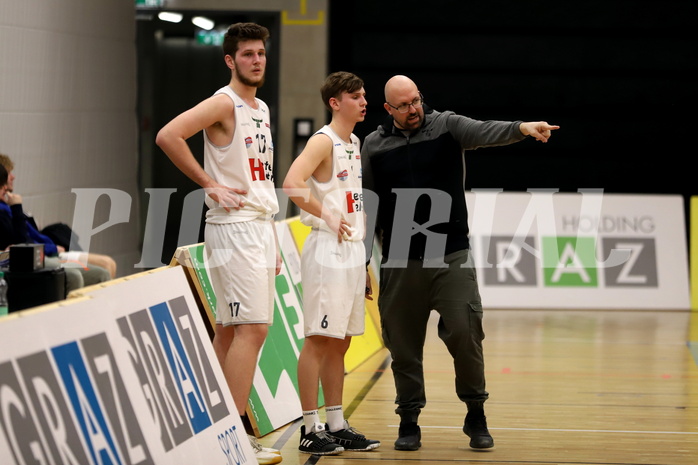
[(476, 428), (351, 439), (409, 436), (318, 442)]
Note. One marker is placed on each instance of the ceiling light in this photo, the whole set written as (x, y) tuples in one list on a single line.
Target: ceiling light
[(203, 23), (170, 17)]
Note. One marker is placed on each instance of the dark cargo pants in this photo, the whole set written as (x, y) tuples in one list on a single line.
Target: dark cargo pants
[(407, 296)]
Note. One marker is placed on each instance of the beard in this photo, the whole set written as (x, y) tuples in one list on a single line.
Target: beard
[(247, 81), (410, 124)]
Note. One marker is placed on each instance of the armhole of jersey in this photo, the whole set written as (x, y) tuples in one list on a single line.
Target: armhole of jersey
[(331, 156), (206, 138)]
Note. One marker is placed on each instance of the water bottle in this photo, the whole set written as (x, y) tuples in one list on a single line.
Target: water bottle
[(3, 294)]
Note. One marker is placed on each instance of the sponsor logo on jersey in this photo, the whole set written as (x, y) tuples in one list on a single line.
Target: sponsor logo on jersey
[(259, 169), (248, 142), (343, 175), (355, 201)]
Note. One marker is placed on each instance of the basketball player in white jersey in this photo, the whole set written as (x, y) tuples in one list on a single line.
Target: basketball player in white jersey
[(325, 182), (240, 237)]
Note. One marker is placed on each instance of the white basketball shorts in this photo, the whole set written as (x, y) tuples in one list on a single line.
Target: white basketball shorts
[(334, 285), (241, 258)]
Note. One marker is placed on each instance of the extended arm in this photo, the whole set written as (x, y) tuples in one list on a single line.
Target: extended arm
[(540, 130), (473, 133)]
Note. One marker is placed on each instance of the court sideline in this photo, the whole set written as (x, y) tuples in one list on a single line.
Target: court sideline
[(566, 387)]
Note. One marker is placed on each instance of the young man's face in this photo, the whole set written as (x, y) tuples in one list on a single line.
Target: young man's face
[(353, 104), (250, 63)]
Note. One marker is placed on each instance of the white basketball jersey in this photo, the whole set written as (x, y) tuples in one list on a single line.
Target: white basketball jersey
[(246, 163), (342, 194)]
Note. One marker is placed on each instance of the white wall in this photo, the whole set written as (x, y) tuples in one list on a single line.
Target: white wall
[(68, 90), (67, 109)]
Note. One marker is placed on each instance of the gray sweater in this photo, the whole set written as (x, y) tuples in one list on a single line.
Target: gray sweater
[(418, 179)]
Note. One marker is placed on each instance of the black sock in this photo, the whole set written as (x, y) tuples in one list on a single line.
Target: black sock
[(248, 426)]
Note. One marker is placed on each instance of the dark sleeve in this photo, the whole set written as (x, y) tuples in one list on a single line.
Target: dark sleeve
[(13, 227), (370, 199), (473, 134)]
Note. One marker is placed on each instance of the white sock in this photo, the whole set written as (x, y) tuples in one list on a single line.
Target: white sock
[(335, 417), (310, 418)]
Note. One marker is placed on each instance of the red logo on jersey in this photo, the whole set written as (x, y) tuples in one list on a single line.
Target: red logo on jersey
[(355, 201), (257, 169)]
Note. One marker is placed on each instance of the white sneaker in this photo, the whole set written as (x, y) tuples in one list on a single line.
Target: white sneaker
[(264, 455)]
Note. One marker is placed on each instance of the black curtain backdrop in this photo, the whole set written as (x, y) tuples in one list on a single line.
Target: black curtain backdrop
[(618, 76)]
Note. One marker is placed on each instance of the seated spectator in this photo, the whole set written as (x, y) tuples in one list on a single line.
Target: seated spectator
[(16, 227), (73, 278)]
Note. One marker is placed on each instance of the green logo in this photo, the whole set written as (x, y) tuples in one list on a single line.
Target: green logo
[(569, 261)]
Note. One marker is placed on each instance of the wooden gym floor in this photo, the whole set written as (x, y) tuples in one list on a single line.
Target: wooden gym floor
[(566, 388)]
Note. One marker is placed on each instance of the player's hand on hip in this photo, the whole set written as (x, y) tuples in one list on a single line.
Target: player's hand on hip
[(227, 197)]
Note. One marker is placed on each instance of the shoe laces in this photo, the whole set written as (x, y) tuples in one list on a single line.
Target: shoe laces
[(347, 427), (357, 434), (255, 444), (323, 437)]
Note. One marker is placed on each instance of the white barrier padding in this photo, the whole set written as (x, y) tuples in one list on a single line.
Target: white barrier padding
[(126, 376), (579, 250)]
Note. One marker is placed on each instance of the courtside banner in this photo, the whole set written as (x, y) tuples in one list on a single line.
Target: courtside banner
[(579, 250), (274, 400), (125, 375)]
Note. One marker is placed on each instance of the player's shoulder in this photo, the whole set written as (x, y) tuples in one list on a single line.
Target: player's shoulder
[(321, 140), (221, 100)]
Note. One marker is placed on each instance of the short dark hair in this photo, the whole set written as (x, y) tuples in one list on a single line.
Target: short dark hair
[(338, 82), (240, 32), (3, 176)]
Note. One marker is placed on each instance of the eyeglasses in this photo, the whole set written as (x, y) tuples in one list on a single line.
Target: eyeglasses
[(405, 107)]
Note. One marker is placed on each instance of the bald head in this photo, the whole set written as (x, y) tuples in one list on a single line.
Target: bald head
[(404, 103), (397, 86)]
